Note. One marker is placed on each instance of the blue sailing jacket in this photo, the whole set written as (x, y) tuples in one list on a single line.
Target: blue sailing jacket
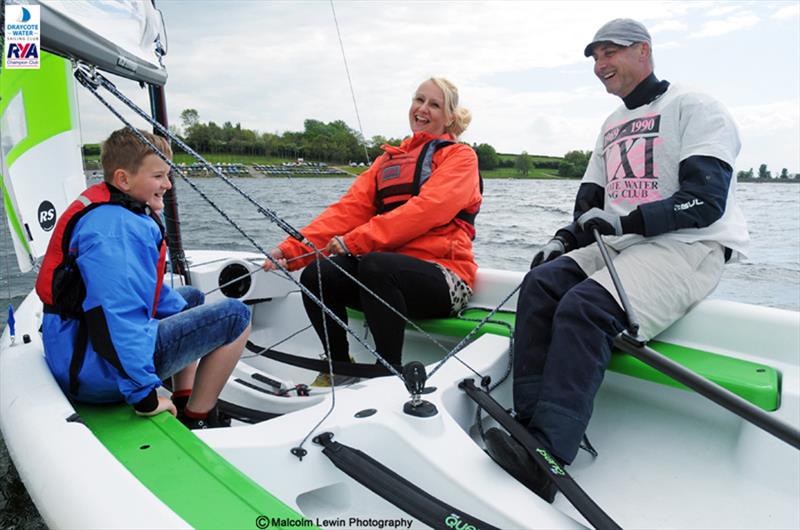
[(117, 254)]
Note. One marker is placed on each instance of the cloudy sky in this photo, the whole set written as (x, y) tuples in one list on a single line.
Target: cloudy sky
[(519, 66)]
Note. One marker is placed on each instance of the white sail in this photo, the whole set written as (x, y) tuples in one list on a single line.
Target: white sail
[(41, 153), (40, 141)]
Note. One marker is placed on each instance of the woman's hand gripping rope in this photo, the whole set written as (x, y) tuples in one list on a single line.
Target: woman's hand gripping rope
[(335, 247), (267, 266), (279, 260)]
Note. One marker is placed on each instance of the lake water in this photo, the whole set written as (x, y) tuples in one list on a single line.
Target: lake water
[(517, 217)]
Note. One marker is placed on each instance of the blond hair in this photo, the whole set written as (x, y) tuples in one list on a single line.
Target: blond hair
[(124, 150), (458, 117)]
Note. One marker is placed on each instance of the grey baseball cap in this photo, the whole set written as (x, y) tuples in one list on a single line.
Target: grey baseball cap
[(621, 31)]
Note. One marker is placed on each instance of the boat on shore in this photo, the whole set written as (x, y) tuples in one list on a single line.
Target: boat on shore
[(403, 450)]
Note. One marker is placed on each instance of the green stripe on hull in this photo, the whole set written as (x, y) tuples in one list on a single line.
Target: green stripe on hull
[(200, 486), (757, 383)]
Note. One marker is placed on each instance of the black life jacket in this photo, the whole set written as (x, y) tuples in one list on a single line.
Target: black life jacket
[(401, 176)]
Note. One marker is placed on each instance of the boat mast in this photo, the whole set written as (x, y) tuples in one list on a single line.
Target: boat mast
[(158, 110), (177, 258)]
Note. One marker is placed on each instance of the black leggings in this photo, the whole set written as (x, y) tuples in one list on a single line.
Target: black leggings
[(416, 288)]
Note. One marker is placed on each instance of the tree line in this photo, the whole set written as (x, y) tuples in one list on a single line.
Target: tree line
[(325, 142), (765, 174), (336, 142), (573, 165)]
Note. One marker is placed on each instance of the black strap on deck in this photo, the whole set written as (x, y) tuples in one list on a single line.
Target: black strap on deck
[(363, 370), (571, 490), (384, 482)]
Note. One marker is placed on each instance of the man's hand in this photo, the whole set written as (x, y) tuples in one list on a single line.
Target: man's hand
[(278, 256), (606, 223), (163, 404), (553, 249)]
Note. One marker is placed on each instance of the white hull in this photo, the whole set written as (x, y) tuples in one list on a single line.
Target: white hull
[(668, 457)]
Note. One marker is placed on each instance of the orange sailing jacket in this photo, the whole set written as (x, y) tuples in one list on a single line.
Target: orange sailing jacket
[(425, 226)]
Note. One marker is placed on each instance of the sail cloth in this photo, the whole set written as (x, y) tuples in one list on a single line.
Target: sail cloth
[(125, 37), (40, 144), (40, 141)]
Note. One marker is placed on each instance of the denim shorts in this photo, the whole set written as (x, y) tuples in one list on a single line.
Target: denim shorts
[(197, 331)]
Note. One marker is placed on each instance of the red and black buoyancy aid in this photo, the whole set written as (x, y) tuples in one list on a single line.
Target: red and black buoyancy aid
[(401, 177), (59, 283)]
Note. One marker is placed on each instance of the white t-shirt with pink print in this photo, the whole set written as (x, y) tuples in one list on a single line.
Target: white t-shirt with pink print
[(638, 155)]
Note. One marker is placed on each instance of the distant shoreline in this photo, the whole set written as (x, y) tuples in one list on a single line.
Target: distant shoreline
[(771, 180), (252, 173)]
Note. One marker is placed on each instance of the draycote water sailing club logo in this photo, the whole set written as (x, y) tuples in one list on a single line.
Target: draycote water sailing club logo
[(22, 31)]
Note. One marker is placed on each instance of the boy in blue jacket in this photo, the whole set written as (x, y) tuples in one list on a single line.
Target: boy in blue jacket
[(112, 330)]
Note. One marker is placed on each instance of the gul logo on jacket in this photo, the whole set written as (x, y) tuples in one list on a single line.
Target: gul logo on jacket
[(629, 154)]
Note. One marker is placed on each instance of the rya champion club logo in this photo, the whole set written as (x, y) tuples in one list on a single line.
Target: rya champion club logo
[(22, 50)]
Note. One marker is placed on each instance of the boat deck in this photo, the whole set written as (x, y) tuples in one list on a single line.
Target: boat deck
[(755, 382)]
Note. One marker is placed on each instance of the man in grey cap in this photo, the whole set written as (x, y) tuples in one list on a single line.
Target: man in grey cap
[(660, 186)]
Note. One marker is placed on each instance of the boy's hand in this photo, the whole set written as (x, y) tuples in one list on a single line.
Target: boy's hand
[(163, 404)]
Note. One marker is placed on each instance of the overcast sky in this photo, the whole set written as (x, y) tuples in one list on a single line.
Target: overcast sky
[(519, 66)]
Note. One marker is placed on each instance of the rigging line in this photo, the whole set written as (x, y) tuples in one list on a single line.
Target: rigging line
[(82, 78), (274, 217), (231, 282), (330, 367), (3, 191), (292, 335), (350, 81), (464, 341), (510, 364), (259, 261), (248, 274), (98, 79), (92, 79), (6, 256), (91, 87), (262, 209)]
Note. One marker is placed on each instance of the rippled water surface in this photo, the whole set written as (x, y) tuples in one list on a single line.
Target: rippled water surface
[(516, 218)]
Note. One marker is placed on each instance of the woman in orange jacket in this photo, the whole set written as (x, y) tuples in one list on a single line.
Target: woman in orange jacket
[(404, 229)]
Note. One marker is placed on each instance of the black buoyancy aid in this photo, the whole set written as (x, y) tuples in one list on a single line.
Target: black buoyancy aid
[(59, 283), (400, 177)]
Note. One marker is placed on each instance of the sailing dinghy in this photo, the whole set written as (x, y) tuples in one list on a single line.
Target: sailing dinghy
[(398, 451)]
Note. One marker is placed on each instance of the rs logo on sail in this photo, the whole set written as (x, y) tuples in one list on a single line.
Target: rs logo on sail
[(47, 215)]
